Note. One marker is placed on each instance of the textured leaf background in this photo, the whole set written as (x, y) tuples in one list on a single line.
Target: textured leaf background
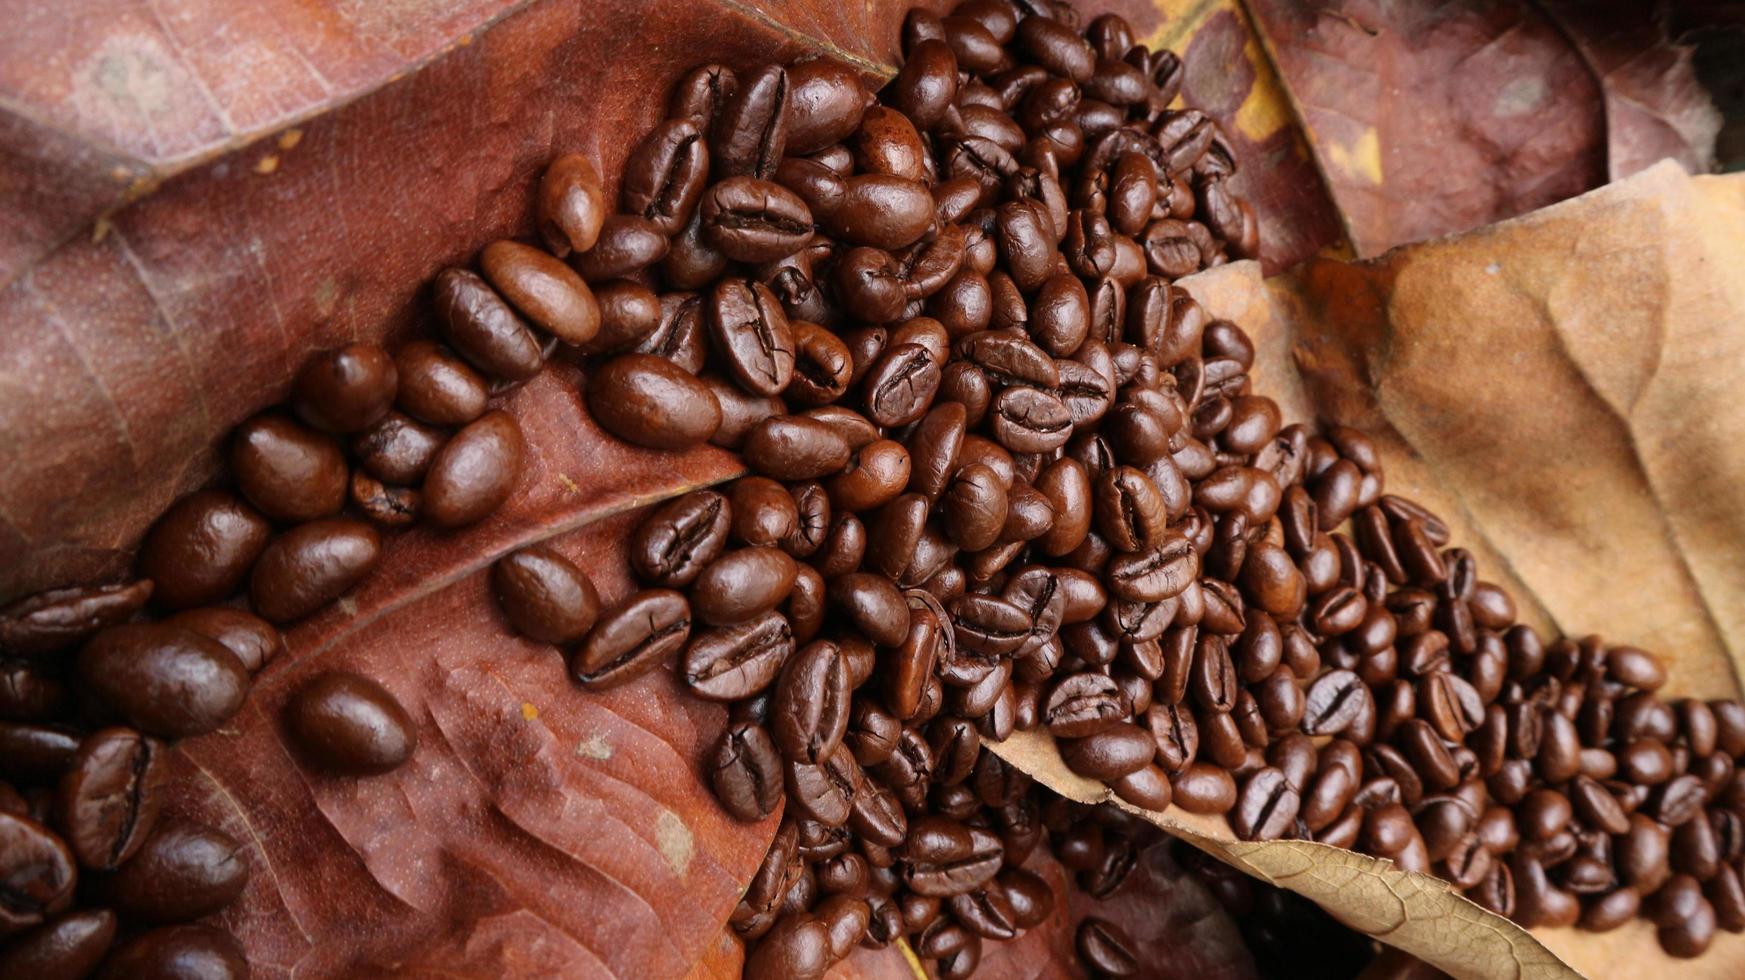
[(197, 196)]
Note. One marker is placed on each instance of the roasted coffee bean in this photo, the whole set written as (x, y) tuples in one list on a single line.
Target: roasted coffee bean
[(543, 289), (794, 447), (475, 471), (650, 401), (201, 549), (1102, 945), (253, 640), (872, 605), (349, 724), (901, 385), (942, 857), (483, 328), (1111, 753), (742, 584), (825, 791), (67, 948), (882, 211), (732, 662), (746, 772), (165, 680), (748, 327), (190, 950), (681, 538), (311, 565), (107, 803), (287, 471), (345, 390), (184, 870), (631, 638), (545, 596), (810, 713)]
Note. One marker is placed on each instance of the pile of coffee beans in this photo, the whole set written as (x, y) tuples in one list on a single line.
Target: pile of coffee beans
[(1004, 473)]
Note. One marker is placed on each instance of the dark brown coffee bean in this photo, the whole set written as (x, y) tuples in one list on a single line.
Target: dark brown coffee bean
[(1111, 753), (748, 327), (680, 538), (746, 772), (252, 639), (475, 471), (483, 327), (882, 211), (165, 680), (179, 951), (631, 638), (794, 447), (751, 220), (876, 474), (1334, 701), (35, 753), (809, 715), (649, 401), (543, 289), (742, 584), (201, 549), (826, 791), (1267, 806), (185, 870), (287, 471), (349, 724), (872, 605), (107, 803), (733, 662), (311, 565), (1684, 919), (67, 948), (942, 857), (545, 596), (1084, 704)]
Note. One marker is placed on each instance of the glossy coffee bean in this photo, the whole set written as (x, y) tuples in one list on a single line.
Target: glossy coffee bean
[(475, 471), (37, 871), (631, 638), (349, 724), (185, 870), (746, 772), (165, 680), (680, 538), (484, 328), (438, 387), (180, 952), (311, 565), (728, 663), (399, 449), (288, 472), (649, 401), (107, 802), (201, 549), (345, 390), (543, 289), (544, 595), (67, 948)]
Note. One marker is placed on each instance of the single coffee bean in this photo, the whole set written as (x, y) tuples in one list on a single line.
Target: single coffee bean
[(544, 595), (484, 328), (543, 289), (742, 584), (651, 402), (287, 471), (399, 449), (311, 565), (665, 174), (750, 132), (1114, 752), (631, 638), (350, 725), (794, 447), (345, 390), (751, 220), (681, 538), (66, 948), (165, 680), (750, 330), (628, 244), (746, 772), (901, 385), (437, 387), (178, 951), (107, 803), (201, 549), (739, 661), (942, 857), (475, 471), (37, 872), (185, 870)]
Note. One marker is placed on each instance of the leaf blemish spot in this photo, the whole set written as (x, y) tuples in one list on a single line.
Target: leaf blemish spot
[(674, 840), (594, 747), (529, 711)]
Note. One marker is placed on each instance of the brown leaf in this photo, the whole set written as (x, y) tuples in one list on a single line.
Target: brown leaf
[(1655, 107), (1429, 119), (195, 204), (1562, 389)]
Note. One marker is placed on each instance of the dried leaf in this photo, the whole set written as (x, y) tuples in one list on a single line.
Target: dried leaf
[(1562, 389), (1429, 119), (1655, 107)]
